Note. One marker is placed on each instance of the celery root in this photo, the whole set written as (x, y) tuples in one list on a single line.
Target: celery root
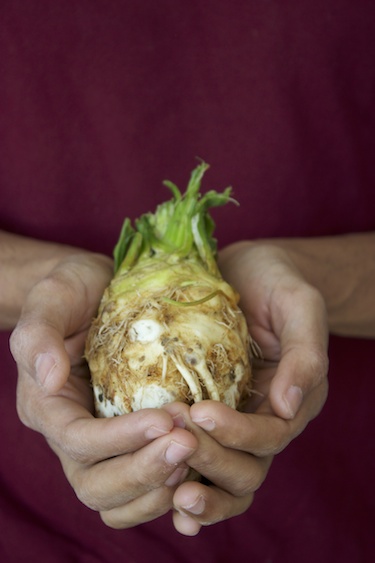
[(169, 327)]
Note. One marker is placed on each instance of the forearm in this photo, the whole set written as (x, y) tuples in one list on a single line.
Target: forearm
[(23, 262), (342, 268)]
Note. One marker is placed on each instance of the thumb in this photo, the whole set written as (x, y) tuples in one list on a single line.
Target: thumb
[(37, 342), (301, 372), (303, 365), (38, 349), (51, 331)]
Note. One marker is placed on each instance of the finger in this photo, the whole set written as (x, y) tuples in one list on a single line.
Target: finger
[(301, 323), (148, 507), (115, 482), (261, 433), (234, 474), (231, 469), (38, 349), (66, 422), (197, 505), (302, 373), (287, 316), (59, 306), (185, 524), (89, 440)]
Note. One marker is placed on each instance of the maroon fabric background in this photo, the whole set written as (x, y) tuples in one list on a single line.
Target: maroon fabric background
[(102, 100)]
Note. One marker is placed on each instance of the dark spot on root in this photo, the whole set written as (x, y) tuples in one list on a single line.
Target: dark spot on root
[(192, 360)]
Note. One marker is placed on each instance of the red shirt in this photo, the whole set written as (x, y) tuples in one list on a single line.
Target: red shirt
[(100, 102)]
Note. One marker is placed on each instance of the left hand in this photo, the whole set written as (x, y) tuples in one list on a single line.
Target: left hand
[(287, 318), (125, 467)]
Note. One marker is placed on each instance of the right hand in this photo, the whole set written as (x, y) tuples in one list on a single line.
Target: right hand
[(287, 318), (128, 467)]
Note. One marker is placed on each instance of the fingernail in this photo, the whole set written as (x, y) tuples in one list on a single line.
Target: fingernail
[(155, 432), (177, 452), (205, 423), (177, 476), (44, 367), (293, 399), (197, 507)]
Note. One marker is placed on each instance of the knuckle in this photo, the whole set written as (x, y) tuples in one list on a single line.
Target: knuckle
[(77, 450), (75, 443), (309, 293), (25, 338), (148, 478), (285, 438), (113, 521), (23, 415), (19, 338), (274, 442), (250, 482), (77, 454), (319, 363), (14, 342), (144, 509), (157, 502), (119, 519), (90, 492), (217, 511), (28, 405), (314, 371), (204, 458), (51, 285), (65, 281)]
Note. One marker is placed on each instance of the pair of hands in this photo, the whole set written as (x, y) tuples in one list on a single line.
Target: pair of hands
[(133, 468)]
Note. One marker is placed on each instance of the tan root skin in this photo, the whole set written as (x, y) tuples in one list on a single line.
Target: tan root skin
[(146, 348)]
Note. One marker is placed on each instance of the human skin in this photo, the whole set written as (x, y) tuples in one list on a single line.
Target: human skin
[(133, 468), (342, 269)]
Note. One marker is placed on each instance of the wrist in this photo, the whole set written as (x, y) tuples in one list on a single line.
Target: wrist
[(23, 263), (341, 268)]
